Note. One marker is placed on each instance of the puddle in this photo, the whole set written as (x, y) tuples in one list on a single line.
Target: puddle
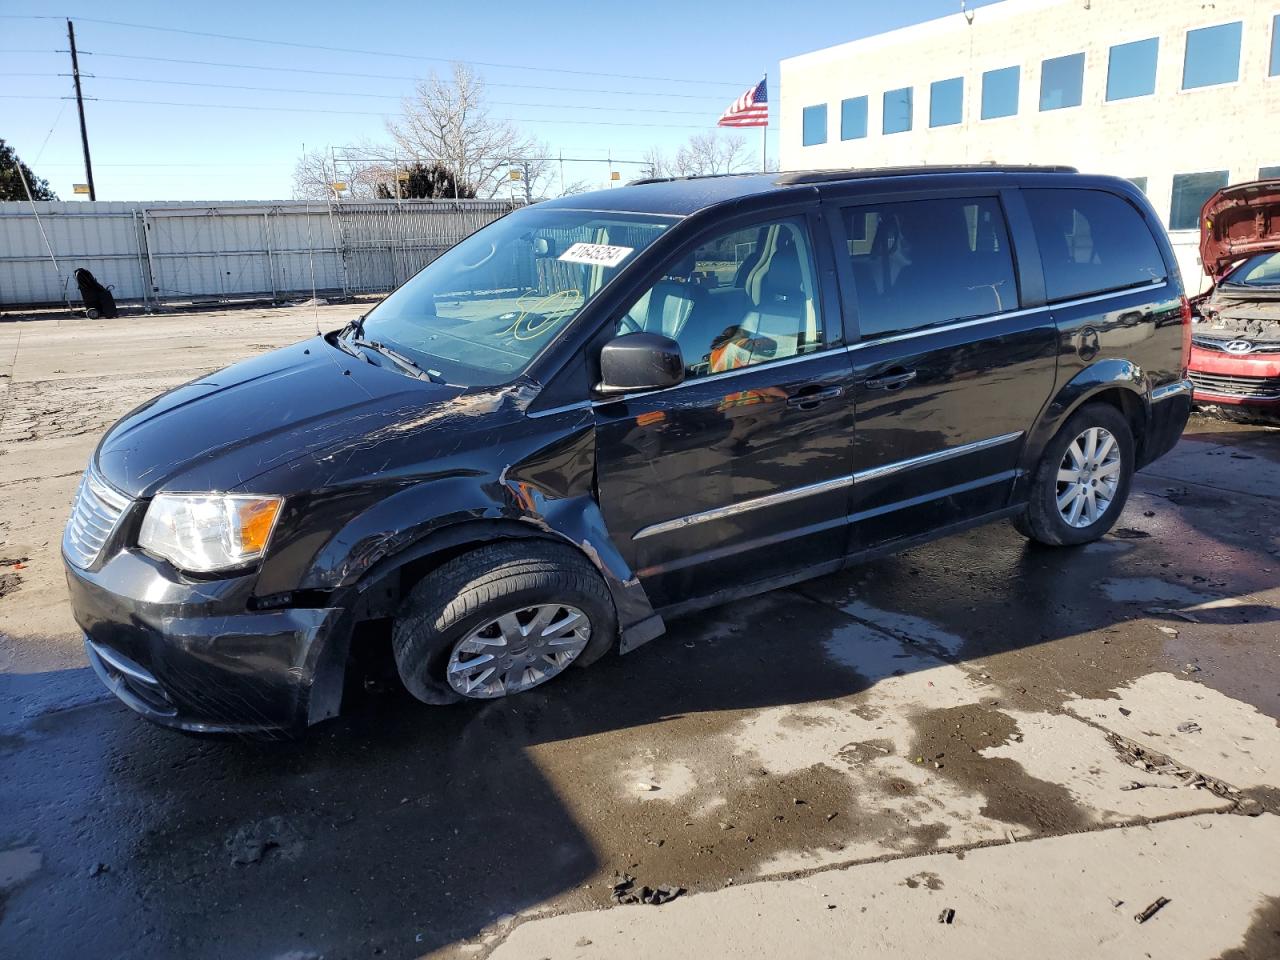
[(18, 866), (1150, 589), (917, 629)]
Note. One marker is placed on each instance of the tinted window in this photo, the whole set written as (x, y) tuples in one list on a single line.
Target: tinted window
[(929, 261), (1091, 242), (814, 120), (897, 110), (742, 298), (1213, 56), (853, 118), (1190, 191), (1000, 93), (1139, 182), (1268, 173), (1275, 46), (1061, 82), (1131, 69), (946, 102)]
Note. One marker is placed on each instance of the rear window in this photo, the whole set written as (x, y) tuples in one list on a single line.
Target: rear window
[(926, 262), (1091, 242)]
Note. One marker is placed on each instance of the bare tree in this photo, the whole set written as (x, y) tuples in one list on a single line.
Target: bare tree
[(711, 153), (701, 155), (312, 176), (316, 171), (655, 164), (447, 119)]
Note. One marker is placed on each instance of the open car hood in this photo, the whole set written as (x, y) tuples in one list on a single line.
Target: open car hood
[(1237, 222)]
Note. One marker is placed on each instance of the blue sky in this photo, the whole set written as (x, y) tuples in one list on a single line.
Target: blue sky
[(706, 53)]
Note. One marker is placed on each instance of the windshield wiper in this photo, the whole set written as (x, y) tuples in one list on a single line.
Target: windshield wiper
[(399, 359)]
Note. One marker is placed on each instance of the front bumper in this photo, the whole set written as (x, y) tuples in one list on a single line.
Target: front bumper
[(192, 654), (1251, 380)]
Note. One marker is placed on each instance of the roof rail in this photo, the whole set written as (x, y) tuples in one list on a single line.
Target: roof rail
[(692, 176), (859, 173)]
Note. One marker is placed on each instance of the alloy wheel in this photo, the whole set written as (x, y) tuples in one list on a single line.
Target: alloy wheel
[(1088, 477), (517, 650)]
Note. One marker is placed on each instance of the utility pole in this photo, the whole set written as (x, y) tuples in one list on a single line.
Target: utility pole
[(84, 133)]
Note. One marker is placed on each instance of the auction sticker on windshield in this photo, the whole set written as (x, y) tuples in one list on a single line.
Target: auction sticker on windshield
[(596, 254)]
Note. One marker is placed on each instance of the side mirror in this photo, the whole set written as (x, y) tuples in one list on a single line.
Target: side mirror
[(639, 361)]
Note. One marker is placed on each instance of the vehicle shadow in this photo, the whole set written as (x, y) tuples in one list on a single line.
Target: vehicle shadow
[(393, 831), (399, 829)]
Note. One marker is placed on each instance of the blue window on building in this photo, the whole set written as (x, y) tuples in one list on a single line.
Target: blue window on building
[(814, 122), (897, 111), (853, 118), (1062, 82), (1269, 173), (946, 102), (1213, 56), (1000, 93), (1275, 46), (1190, 191), (1131, 69)]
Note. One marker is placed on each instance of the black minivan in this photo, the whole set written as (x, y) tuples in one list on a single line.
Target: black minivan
[(603, 411)]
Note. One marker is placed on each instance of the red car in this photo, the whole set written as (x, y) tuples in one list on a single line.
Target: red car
[(1235, 336)]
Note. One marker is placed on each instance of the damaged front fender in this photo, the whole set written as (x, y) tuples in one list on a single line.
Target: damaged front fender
[(501, 480)]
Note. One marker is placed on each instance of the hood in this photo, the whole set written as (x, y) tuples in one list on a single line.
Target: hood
[(221, 431), (1237, 222)]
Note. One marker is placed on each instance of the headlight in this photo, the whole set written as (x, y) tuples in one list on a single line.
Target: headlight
[(206, 532)]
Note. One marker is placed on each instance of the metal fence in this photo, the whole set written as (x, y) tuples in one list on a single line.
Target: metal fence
[(156, 252)]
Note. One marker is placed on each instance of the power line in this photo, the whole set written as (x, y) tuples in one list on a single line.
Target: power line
[(365, 76), (371, 53), (360, 113), (342, 93)]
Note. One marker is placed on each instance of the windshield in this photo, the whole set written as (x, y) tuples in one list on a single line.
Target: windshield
[(481, 312), (1260, 271)]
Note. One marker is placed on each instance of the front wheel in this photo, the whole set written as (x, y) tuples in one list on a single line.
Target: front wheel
[(500, 620), (1082, 481)]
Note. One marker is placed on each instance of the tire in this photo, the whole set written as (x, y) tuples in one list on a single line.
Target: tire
[(468, 594), (1042, 520)]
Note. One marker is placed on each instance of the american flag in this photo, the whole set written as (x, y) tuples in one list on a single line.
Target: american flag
[(749, 110)]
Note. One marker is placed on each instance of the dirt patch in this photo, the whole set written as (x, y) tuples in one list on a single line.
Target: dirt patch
[(926, 879), (9, 583), (768, 814), (1262, 939), (949, 741)]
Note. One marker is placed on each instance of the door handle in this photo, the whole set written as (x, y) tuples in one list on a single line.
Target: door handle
[(891, 381), (807, 398)]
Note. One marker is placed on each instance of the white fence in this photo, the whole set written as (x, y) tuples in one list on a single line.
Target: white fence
[(152, 252)]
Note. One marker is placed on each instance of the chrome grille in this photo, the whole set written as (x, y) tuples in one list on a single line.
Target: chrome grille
[(1220, 344), (1250, 388), (94, 515)]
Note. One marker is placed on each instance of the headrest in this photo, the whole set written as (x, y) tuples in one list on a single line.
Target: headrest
[(782, 280)]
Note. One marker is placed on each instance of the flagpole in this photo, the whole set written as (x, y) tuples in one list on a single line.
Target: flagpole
[(764, 143)]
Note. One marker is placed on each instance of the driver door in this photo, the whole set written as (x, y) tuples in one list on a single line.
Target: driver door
[(739, 475)]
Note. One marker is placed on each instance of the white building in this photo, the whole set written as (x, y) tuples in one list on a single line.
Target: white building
[(1180, 96)]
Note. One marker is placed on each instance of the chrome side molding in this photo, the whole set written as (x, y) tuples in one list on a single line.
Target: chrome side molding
[(825, 486), (1170, 390), (888, 469)]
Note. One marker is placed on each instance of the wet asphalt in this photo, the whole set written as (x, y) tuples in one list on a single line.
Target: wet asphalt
[(398, 830)]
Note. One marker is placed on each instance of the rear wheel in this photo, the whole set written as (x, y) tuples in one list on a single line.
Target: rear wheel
[(500, 620), (1082, 481)]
